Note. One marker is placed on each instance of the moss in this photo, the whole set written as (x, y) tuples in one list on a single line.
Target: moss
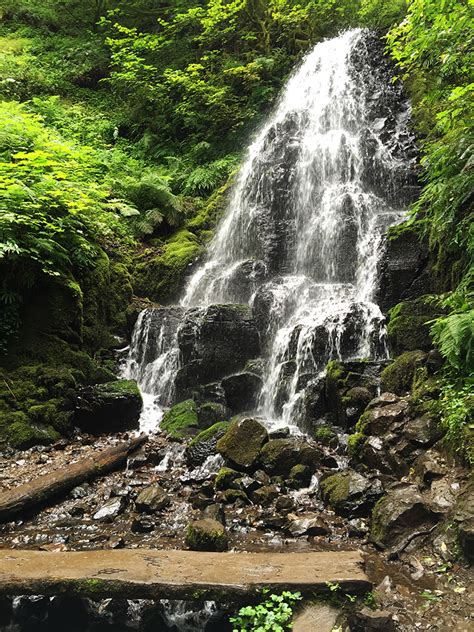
[(206, 535), (335, 488), (206, 435), (181, 420), (408, 328), (364, 421), (354, 443), (377, 527), (22, 434), (225, 477), (398, 376), (324, 435), (160, 276)]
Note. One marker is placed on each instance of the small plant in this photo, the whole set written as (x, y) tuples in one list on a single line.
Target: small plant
[(274, 614), (333, 586)]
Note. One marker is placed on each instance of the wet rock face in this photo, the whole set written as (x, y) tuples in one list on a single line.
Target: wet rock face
[(464, 517), (215, 342), (350, 494), (399, 514), (206, 535), (111, 509), (204, 444), (110, 407), (242, 391), (242, 442), (404, 269)]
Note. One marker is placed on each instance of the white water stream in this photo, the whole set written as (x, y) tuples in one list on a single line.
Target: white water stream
[(302, 235)]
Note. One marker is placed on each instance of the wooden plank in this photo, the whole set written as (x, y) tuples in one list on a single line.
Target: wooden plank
[(46, 488), (173, 574)]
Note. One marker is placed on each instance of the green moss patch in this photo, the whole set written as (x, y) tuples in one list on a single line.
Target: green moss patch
[(181, 420), (398, 377), (408, 328)]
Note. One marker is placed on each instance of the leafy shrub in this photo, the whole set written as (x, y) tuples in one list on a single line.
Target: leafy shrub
[(274, 614)]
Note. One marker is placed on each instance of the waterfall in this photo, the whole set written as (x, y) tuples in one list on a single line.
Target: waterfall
[(302, 235)]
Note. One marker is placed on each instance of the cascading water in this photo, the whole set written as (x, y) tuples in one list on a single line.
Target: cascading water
[(301, 238)]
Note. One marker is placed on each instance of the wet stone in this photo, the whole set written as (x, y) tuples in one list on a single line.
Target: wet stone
[(306, 524), (111, 509), (206, 535), (265, 495), (367, 620), (152, 499), (143, 524)]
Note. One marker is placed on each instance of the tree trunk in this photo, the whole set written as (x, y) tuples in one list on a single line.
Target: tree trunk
[(44, 489)]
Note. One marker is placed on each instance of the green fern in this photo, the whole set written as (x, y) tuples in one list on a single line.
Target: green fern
[(454, 336)]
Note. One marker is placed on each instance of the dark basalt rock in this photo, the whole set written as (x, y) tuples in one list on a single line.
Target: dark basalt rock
[(204, 444), (398, 514), (152, 499), (110, 407), (242, 391), (350, 494), (404, 269), (214, 342)]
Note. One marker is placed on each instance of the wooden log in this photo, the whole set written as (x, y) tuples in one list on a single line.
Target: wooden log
[(46, 488), (172, 574)]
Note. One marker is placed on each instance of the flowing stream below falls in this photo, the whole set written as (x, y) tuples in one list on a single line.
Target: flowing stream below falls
[(300, 241)]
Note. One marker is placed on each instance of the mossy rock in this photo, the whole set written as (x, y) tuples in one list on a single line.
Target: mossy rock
[(211, 412), (181, 420), (160, 277), (225, 477), (110, 407), (22, 434), (398, 376), (216, 430), (242, 442), (354, 443), (278, 456), (206, 535), (408, 328), (350, 494)]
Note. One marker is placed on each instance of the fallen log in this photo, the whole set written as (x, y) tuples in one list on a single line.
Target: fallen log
[(173, 574), (46, 488)]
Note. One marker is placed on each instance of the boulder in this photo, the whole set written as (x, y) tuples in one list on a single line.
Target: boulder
[(265, 495), (367, 620), (152, 499), (142, 524), (233, 496), (398, 514), (398, 376), (204, 444), (306, 524), (206, 535), (214, 512), (464, 517), (215, 342), (350, 494), (242, 391), (210, 413), (225, 479), (299, 476), (242, 442), (181, 420), (279, 456), (110, 407), (378, 419), (111, 509)]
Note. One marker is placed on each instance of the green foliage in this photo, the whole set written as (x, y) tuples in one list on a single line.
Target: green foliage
[(456, 412), (274, 614), (433, 47)]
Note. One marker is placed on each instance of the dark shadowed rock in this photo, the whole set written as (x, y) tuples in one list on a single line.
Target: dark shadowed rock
[(215, 342), (242, 442), (204, 444), (398, 514), (110, 407), (404, 269), (265, 495), (241, 391), (367, 620)]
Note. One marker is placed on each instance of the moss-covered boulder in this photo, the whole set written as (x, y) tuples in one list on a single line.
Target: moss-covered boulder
[(204, 443), (110, 407), (279, 456), (350, 494), (181, 420), (159, 273), (242, 442), (152, 499), (210, 413), (299, 476), (408, 328), (206, 535), (398, 376), (349, 387), (225, 478), (21, 433)]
